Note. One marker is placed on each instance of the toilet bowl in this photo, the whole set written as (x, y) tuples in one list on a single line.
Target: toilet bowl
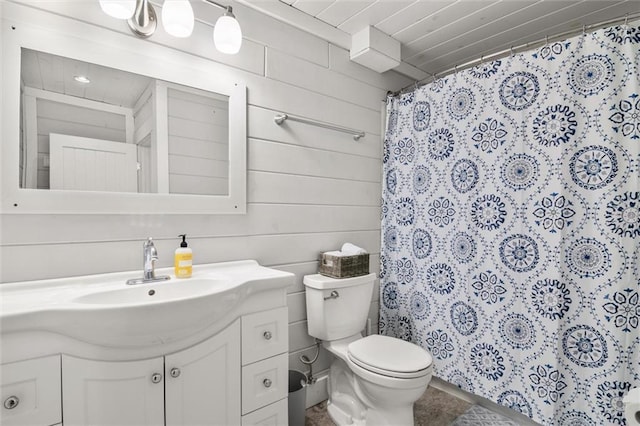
[(373, 380), (632, 407), (376, 379)]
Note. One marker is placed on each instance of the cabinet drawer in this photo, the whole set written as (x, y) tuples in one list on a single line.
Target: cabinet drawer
[(264, 382), (275, 414), (264, 335), (32, 387)]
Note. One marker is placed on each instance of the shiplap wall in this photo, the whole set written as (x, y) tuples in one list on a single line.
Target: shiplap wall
[(143, 137), (309, 189), (198, 143)]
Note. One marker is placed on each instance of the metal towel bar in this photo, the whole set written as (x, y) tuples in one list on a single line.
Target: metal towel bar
[(280, 118)]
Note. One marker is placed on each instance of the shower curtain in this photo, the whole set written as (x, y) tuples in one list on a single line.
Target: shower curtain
[(511, 227)]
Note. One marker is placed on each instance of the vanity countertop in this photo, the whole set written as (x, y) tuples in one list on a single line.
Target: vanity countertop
[(95, 312), (29, 296)]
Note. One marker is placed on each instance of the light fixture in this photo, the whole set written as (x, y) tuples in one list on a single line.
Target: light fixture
[(227, 35), (143, 23), (120, 9), (177, 20)]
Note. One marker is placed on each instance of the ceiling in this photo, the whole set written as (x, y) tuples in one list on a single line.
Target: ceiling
[(53, 73), (438, 35)]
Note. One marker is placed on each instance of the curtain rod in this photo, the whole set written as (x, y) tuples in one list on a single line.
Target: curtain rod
[(513, 50)]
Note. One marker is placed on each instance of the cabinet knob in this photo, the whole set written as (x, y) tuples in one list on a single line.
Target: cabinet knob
[(11, 402), (156, 378), (175, 372), (267, 335), (266, 383)]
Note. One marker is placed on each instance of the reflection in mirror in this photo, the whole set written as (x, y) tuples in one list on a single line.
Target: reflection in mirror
[(93, 128)]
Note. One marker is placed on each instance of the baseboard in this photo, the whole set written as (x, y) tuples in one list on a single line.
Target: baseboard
[(454, 390)]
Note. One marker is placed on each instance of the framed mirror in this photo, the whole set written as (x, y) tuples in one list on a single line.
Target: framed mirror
[(98, 130)]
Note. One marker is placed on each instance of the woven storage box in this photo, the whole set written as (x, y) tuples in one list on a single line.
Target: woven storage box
[(343, 266)]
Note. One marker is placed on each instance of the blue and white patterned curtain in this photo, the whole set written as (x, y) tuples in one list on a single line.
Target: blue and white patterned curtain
[(511, 227)]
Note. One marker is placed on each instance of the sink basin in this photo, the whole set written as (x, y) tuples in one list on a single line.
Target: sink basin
[(102, 310), (158, 292)]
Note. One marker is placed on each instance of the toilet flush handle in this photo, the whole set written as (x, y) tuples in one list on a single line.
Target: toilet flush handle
[(334, 295)]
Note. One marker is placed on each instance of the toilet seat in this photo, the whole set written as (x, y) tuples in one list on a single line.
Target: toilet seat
[(390, 357)]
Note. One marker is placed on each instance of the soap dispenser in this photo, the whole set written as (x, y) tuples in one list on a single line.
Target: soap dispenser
[(183, 260)]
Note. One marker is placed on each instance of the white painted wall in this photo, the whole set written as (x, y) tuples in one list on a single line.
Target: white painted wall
[(309, 189), (198, 143), (144, 137)]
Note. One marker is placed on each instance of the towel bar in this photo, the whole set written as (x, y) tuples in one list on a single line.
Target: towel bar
[(280, 118)]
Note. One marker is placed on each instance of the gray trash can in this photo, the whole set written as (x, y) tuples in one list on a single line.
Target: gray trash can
[(297, 397)]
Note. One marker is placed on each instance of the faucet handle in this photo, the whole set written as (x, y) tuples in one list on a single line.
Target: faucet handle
[(150, 247)]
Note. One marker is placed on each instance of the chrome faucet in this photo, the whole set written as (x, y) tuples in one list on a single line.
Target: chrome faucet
[(149, 257)]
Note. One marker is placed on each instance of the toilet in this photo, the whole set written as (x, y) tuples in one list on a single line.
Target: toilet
[(632, 407), (373, 380)]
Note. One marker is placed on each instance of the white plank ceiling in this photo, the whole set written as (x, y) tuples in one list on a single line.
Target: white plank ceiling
[(53, 73), (437, 35)]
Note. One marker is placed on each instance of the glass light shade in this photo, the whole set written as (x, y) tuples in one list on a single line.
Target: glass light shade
[(227, 35), (177, 18), (120, 9)]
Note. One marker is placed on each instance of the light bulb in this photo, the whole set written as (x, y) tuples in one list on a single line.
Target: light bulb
[(120, 9), (177, 18), (227, 35)]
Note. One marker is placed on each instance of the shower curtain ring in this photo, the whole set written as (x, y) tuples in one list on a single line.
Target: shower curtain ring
[(511, 50), (626, 20), (584, 30), (546, 40)]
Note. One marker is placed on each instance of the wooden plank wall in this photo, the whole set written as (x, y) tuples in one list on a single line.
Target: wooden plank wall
[(198, 143), (143, 137), (309, 189)]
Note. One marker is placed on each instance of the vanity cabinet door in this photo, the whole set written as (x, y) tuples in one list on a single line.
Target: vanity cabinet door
[(30, 392), (203, 382), (112, 393)]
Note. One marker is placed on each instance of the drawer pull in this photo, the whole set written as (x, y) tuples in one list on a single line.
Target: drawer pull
[(175, 372), (267, 335), (266, 383), (156, 378), (11, 402)]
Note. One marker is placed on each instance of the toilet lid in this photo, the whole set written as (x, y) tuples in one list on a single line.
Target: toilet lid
[(389, 356)]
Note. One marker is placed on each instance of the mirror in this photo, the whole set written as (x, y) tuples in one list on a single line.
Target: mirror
[(93, 128), (90, 129)]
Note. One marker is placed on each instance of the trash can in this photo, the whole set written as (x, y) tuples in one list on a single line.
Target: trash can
[(297, 397)]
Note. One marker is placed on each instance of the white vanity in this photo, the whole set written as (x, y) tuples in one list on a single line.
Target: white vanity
[(91, 350)]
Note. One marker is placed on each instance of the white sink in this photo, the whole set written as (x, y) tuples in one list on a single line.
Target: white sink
[(102, 310), (158, 292)]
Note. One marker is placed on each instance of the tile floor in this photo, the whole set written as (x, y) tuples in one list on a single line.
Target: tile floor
[(434, 408), (480, 416)]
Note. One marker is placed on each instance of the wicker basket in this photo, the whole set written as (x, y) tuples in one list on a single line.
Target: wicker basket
[(343, 266)]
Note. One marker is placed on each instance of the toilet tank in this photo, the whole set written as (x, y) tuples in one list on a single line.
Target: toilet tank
[(333, 316)]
